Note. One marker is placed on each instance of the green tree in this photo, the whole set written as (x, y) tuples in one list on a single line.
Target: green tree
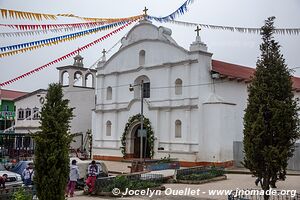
[(271, 122), (52, 146)]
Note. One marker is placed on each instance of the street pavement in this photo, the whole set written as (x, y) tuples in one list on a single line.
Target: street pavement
[(233, 182)]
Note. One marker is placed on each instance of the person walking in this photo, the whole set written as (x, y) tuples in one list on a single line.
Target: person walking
[(93, 172), (73, 177), (28, 174), (2, 180)]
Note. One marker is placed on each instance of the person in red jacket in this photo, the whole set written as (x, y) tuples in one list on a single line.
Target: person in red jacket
[(93, 172)]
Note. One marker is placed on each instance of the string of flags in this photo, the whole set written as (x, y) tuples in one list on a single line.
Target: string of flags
[(66, 56), (37, 32), (70, 25), (180, 11), (282, 31), (15, 14), (93, 25), (21, 48)]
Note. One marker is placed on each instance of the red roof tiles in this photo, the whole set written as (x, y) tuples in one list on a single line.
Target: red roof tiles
[(10, 94), (241, 73)]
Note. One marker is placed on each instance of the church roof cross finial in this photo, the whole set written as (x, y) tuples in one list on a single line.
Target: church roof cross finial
[(103, 52), (198, 29), (145, 11)]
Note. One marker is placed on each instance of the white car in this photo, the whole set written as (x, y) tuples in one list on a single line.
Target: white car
[(13, 179)]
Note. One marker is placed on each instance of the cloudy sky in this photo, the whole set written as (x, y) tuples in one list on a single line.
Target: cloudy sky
[(239, 48)]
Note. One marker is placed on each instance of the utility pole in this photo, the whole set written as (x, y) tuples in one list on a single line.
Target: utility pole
[(142, 119)]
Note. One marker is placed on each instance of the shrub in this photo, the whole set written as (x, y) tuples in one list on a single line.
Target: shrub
[(21, 194)]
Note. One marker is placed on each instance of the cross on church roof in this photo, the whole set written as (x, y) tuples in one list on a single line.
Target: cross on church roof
[(198, 30), (103, 52), (145, 11)]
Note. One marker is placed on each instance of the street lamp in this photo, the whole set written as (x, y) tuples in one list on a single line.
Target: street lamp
[(131, 88)]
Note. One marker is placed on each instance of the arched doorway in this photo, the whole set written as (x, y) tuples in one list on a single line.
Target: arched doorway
[(136, 142), (131, 140)]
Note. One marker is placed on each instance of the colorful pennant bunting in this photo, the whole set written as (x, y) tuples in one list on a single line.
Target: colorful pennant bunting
[(73, 25), (65, 56), (180, 11), (21, 48), (282, 31), (40, 16), (25, 15)]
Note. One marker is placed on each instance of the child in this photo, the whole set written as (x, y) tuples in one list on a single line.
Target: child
[(74, 175)]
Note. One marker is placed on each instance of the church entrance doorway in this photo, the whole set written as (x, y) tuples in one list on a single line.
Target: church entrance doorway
[(137, 144)]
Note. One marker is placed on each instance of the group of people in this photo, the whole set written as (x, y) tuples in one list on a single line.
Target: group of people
[(93, 172), (27, 176)]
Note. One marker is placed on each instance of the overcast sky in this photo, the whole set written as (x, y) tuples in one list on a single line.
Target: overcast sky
[(238, 48)]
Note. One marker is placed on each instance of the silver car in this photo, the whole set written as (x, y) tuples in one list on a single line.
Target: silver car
[(13, 179)]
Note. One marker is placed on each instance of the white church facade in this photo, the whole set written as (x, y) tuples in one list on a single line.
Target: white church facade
[(196, 104)]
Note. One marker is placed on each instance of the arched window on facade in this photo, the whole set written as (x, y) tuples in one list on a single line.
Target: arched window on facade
[(137, 87), (109, 93), (108, 128), (20, 114), (65, 78), (89, 80), (142, 56), (178, 86), (78, 79), (28, 113), (35, 113), (177, 129)]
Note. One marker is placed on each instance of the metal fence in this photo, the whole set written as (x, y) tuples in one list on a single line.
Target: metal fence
[(16, 146), (253, 194)]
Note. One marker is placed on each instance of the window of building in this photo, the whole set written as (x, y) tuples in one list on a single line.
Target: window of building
[(108, 128), (89, 80), (26, 142), (28, 113), (146, 87), (142, 56), (108, 93), (35, 113), (20, 114), (65, 78), (6, 108), (178, 86), (78, 80), (177, 129)]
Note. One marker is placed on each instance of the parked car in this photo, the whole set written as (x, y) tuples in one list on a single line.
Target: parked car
[(13, 180)]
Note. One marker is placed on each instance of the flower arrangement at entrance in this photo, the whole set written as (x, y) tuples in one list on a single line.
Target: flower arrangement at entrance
[(147, 127)]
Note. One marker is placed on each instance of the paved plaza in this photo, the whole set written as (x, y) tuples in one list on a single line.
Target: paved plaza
[(234, 181)]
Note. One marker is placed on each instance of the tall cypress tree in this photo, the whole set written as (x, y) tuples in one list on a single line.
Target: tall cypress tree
[(271, 122), (52, 146)]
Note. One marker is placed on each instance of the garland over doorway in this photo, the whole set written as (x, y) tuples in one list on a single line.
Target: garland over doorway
[(147, 126)]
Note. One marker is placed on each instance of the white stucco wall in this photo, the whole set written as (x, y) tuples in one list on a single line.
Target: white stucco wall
[(28, 125), (164, 63)]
